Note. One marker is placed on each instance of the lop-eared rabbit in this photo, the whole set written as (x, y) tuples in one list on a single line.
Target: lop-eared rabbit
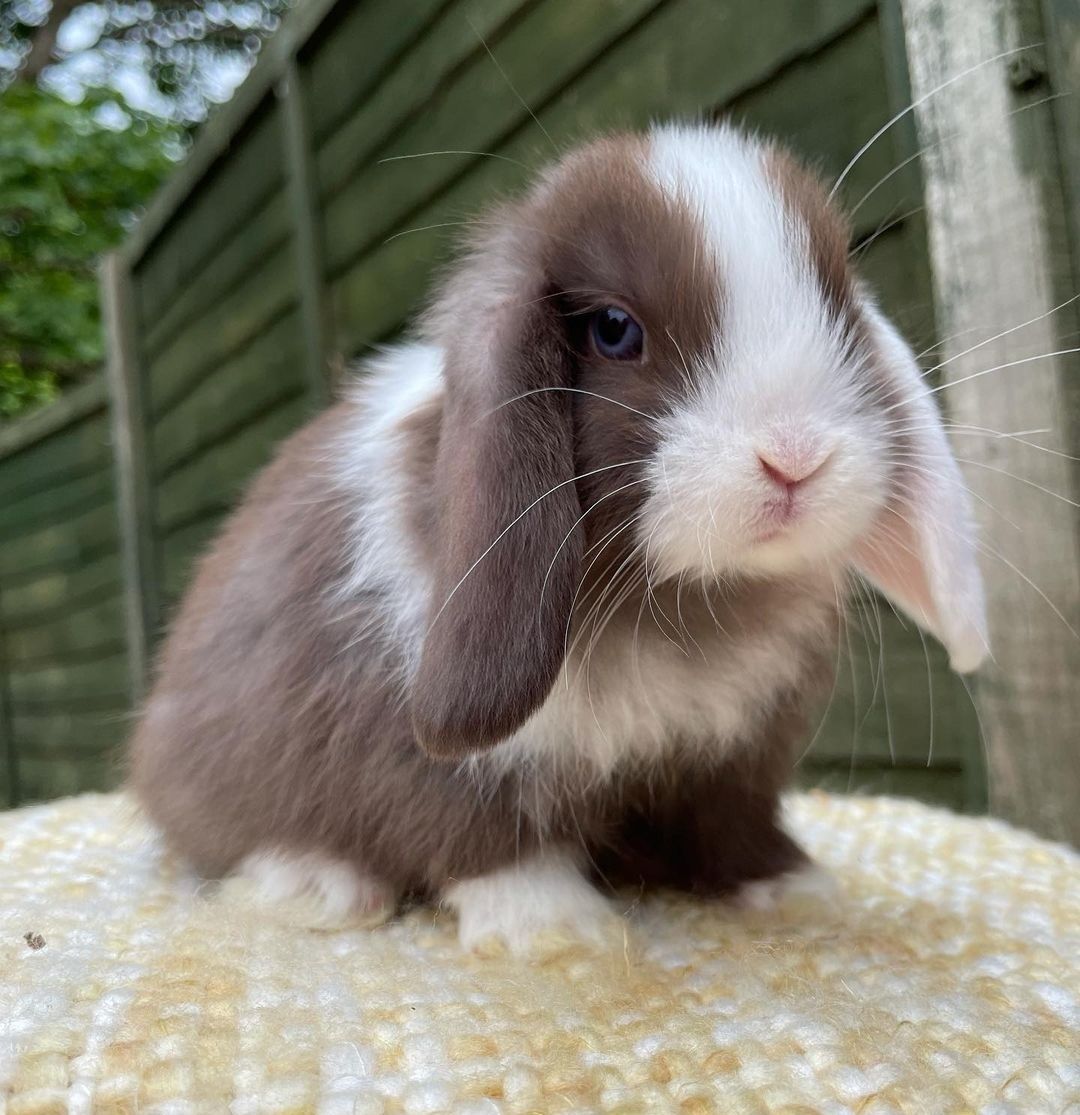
[(548, 601)]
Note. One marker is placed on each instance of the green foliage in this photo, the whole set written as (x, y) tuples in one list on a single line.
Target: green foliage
[(70, 187), (173, 58)]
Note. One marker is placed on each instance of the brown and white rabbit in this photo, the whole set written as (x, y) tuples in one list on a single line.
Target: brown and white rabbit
[(555, 589)]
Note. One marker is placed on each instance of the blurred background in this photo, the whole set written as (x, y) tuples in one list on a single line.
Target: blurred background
[(209, 210)]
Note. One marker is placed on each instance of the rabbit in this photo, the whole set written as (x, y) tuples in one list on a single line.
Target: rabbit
[(546, 602)]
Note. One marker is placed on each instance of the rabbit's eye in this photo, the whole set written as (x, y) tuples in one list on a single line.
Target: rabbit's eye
[(615, 335)]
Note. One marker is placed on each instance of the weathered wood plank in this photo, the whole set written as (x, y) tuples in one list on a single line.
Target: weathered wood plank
[(223, 202), (62, 456), (72, 407), (999, 245), (260, 377), (98, 629), (211, 482), (45, 779), (221, 332), (453, 41), (239, 259), (52, 592), (57, 503), (61, 545), (100, 684), (359, 50), (306, 232)]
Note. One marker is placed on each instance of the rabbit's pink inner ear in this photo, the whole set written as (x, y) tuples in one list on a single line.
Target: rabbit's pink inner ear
[(921, 551), (889, 558), (910, 557)]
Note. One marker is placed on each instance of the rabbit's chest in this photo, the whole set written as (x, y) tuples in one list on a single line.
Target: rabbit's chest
[(641, 689)]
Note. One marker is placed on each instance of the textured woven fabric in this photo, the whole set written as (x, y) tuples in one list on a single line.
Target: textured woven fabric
[(946, 978)]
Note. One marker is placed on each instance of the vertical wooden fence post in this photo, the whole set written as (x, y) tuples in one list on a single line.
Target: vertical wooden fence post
[(304, 203), (7, 730), (1000, 254), (132, 482)]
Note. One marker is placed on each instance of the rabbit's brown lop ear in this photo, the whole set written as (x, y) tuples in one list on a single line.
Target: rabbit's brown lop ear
[(509, 549)]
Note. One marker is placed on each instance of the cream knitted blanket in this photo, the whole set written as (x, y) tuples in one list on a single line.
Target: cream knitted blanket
[(945, 979)]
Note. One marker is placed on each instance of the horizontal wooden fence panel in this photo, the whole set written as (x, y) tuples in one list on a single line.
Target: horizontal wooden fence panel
[(226, 201), (53, 460), (63, 653), (363, 48)]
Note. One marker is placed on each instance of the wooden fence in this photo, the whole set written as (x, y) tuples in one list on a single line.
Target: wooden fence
[(64, 676), (306, 223)]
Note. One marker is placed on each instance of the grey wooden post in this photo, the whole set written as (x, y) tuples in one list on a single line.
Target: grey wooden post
[(999, 248), (132, 481), (303, 198)]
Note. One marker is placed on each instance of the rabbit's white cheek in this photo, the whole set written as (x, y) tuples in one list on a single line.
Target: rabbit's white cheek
[(541, 898)]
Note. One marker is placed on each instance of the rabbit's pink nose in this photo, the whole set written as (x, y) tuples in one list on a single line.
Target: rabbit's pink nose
[(789, 472)]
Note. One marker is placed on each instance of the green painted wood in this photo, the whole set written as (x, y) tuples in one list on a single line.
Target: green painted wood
[(260, 377), (666, 60), (895, 274), (63, 545), (455, 40), (57, 458), (82, 633), (359, 50), (53, 591), (62, 776), (96, 685), (307, 232), (1061, 32), (72, 737), (71, 408), (57, 503), (236, 188), (222, 331), (240, 257), (59, 755), (912, 246), (211, 482), (134, 499), (9, 754)]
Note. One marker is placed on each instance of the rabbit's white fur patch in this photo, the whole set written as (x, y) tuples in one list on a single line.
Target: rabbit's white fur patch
[(315, 890), (781, 381), (520, 905), (811, 883)]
